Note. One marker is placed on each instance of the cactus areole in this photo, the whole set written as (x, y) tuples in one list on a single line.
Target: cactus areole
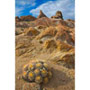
[(38, 72)]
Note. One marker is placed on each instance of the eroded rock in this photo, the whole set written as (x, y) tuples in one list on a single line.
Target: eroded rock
[(58, 15), (41, 14), (27, 18)]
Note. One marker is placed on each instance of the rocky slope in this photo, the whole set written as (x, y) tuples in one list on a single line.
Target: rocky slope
[(52, 40)]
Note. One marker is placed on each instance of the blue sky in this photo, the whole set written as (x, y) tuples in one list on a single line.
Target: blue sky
[(49, 7)]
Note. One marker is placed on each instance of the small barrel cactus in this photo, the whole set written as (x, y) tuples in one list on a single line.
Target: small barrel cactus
[(38, 72)]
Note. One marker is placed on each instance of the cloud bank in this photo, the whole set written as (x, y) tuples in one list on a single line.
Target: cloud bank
[(50, 8)]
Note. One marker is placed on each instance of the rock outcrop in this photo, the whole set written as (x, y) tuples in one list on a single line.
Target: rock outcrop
[(31, 32), (17, 19), (58, 15), (41, 14), (27, 18)]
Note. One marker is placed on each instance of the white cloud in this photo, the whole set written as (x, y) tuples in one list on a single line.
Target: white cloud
[(50, 8)]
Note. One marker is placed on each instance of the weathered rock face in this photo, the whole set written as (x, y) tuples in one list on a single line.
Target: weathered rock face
[(27, 18), (44, 21), (21, 25), (18, 31), (41, 14), (49, 44), (31, 32), (49, 32), (67, 23), (58, 15)]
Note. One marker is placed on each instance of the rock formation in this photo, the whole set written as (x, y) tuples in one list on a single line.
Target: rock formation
[(31, 32), (41, 14), (17, 19), (58, 15), (27, 18)]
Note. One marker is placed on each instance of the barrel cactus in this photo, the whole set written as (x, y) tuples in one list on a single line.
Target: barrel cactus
[(38, 72)]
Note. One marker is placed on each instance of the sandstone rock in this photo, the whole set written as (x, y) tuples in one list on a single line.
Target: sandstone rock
[(27, 18), (21, 25), (18, 31), (48, 32), (63, 46), (67, 23), (65, 34), (69, 59), (20, 52), (31, 32), (62, 35), (58, 15), (44, 21), (41, 14), (23, 40), (71, 20), (70, 23), (58, 45), (49, 44), (40, 27)]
